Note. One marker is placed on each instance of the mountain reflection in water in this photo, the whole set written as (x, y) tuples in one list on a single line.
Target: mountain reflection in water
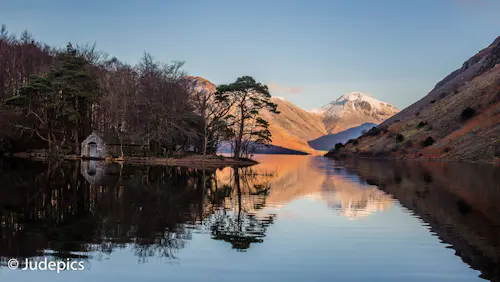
[(90, 210)]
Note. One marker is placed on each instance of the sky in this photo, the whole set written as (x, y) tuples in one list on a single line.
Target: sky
[(309, 51)]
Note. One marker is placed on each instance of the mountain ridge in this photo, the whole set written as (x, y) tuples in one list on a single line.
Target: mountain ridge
[(475, 66)]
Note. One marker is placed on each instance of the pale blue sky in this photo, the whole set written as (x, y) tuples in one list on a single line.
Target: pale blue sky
[(310, 51)]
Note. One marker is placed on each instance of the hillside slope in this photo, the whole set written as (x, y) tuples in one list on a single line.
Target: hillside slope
[(459, 118), (477, 65), (293, 127)]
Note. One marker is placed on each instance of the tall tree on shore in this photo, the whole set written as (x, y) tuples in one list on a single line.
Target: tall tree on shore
[(77, 85), (248, 98)]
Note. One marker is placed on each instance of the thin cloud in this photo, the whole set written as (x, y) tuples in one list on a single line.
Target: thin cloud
[(277, 88)]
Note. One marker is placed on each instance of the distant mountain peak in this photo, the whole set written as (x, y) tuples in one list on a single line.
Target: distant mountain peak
[(353, 109), (358, 101), (199, 84), (353, 96)]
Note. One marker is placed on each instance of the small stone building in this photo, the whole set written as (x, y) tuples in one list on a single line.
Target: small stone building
[(100, 145)]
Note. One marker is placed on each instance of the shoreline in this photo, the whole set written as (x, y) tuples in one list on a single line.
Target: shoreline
[(438, 160), (211, 161)]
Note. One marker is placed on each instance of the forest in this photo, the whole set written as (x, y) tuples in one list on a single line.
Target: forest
[(52, 98)]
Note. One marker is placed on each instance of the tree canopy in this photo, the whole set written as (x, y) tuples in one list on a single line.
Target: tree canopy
[(248, 98)]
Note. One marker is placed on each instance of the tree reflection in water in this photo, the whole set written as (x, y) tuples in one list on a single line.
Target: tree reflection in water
[(64, 210), (236, 221)]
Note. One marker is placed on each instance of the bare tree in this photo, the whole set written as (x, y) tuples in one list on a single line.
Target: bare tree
[(147, 103), (215, 111)]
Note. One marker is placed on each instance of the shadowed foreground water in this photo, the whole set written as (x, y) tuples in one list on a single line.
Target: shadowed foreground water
[(290, 218)]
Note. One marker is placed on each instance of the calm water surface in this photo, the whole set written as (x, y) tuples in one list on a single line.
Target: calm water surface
[(290, 218)]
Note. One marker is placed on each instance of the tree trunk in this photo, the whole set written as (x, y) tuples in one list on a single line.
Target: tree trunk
[(120, 137), (49, 133), (205, 143), (77, 142), (239, 138), (205, 137), (49, 144), (77, 125)]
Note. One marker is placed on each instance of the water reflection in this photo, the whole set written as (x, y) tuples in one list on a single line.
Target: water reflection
[(91, 210), (458, 201), (232, 212), (78, 209), (70, 209), (93, 171), (354, 200), (299, 176)]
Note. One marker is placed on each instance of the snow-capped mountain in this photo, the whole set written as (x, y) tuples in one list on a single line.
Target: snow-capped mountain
[(354, 109)]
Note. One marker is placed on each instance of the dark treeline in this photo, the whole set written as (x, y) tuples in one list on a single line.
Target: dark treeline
[(56, 207), (53, 98)]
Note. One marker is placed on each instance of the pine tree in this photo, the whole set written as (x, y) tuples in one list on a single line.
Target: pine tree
[(77, 86), (248, 99)]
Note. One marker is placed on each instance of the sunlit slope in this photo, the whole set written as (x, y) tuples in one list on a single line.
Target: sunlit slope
[(293, 127), (461, 115)]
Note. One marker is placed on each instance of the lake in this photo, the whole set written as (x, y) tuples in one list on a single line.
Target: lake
[(289, 218)]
